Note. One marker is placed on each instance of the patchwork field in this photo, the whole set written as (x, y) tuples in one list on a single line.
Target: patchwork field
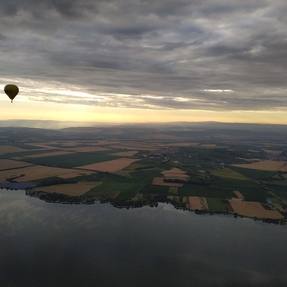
[(110, 166), (198, 175), (253, 210), (73, 189), (10, 164), (265, 165)]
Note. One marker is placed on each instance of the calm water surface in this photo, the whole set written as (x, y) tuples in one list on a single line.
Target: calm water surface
[(47, 244)]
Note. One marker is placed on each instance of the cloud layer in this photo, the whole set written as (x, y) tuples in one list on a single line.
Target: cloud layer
[(175, 54)]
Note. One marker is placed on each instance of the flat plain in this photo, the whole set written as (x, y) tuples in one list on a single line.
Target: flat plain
[(215, 175)]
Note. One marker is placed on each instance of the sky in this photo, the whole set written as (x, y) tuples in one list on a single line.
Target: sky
[(145, 60)]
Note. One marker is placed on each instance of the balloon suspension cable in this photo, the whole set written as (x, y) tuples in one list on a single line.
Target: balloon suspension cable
[(11, 101)]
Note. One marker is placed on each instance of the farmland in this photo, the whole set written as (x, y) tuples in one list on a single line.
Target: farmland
[(229, 173), (267, 165), (197, 203), (48, 154), (206, 176), (72, 189), (253, 209), (109, 166), (11, 164), (32, 173)]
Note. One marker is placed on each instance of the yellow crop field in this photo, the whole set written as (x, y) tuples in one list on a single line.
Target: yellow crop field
[(110, 166), (253, 210), (268, 165)]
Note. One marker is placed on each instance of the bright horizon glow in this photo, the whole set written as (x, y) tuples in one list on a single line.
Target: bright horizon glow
[(22, 110)]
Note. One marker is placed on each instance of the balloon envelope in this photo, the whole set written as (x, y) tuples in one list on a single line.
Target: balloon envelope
[(11, 91)]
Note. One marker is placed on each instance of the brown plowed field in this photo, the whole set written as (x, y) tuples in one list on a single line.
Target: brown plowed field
[(71, 189), (32, 173)]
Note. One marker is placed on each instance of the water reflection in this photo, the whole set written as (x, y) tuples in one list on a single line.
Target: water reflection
[(45, 244)]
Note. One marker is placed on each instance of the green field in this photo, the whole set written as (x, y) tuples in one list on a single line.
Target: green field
[(117, 187), (72, 160), (220, 187), (255, 174), (216, 205), (205, 191), (229, 173)]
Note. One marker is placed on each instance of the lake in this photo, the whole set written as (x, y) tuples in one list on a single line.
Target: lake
[(49, 244)]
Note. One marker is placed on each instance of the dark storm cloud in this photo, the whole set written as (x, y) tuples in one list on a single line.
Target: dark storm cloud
[(212, 54)]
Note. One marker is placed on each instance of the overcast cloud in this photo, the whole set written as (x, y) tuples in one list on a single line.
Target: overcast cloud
[(175, 54)]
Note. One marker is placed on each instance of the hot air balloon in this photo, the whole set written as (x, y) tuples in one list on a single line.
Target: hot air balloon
[(11, 91)]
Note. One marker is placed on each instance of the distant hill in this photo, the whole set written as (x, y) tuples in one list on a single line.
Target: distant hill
[(11, 131), (89, 126)]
